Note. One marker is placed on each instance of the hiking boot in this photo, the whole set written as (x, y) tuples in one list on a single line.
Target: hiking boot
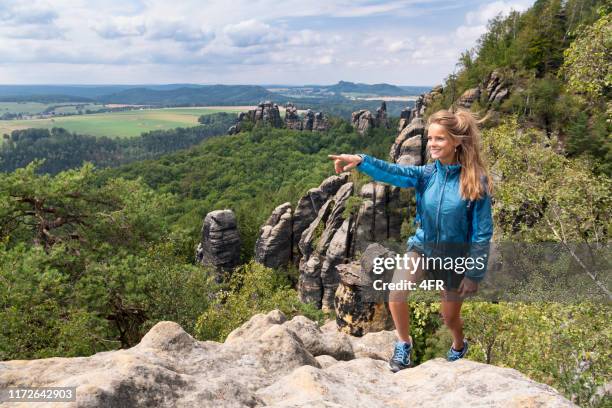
[(454, 355), (401, 356)]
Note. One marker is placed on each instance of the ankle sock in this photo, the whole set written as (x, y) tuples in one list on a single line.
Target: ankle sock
[(405, 343)]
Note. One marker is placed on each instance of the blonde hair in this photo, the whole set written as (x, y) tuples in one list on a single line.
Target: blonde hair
[(462, 126)]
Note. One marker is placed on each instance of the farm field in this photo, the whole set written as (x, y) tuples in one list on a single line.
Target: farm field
[(33, 108), (120, 124)]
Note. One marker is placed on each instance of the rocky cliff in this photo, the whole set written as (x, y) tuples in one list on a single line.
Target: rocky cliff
[(268, 114), (363, 120), (270, 361)]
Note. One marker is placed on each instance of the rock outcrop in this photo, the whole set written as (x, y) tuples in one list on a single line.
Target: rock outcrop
[(381, 119), (292, 118), (219, 246), (320, 122), (497, 88), (363, 120), (489, 93), (267, 114), (427, 99), (360, 309), (318, 276), (278, 239), (273, 362), (405, 117), (379, 217), (409, 146), (274, 244), (469, 97), (315, 121)]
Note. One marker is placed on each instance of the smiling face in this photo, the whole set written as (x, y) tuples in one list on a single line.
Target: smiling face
[(440, 145)]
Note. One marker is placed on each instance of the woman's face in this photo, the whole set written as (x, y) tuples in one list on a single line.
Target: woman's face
[(439, 144)]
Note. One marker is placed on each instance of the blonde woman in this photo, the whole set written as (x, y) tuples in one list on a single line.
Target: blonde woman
[(453, 218)]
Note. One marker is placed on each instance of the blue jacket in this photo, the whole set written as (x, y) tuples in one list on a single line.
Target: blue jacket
[(443, 218)]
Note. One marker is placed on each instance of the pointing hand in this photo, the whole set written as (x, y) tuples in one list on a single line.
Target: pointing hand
[(352, 161)]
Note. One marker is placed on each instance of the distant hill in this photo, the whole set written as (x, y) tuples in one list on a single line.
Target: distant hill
[(375, 89), (7, 92), (193, 94), (162, 95), (200, 95), (415, 90)]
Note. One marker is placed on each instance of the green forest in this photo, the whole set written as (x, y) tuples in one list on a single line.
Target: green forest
[(97, 236)]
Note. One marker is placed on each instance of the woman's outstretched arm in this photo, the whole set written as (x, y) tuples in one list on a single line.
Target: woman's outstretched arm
[(379, 170)]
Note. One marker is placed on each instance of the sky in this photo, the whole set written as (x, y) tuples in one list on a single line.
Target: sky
[(402, 42)]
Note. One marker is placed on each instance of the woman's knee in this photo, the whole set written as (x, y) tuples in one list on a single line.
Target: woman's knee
[(451, 319)]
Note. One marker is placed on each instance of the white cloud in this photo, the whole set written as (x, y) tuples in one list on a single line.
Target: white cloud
[(218, 41), (400, 46), (490, 10), (121, 26), (35, 20), (253, 32)]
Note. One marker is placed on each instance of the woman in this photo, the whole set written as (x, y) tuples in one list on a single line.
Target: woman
[(453, 218)]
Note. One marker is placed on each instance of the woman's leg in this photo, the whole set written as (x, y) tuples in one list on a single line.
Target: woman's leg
[(398, 305), (451, 314)]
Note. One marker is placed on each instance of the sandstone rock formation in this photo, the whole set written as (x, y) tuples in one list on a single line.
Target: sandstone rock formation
[(359, 308), (379, 217), (315, 121), (409, 146), (363, 120), (219, 246), (405, 118), (318, 280), (267, 113), (292, 118), (274, 245), (381, 119), (273, 362), (281, 233), (496, 87), (320, 122), (427, 99), (491, 92), (469, 97)]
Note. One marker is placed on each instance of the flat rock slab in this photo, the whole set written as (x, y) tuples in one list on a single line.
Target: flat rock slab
[(272, 361)]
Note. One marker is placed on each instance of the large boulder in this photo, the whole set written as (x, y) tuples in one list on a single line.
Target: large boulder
[(219, 246), (272, 361)]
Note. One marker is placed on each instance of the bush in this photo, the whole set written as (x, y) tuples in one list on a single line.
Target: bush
[(252, 289)]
